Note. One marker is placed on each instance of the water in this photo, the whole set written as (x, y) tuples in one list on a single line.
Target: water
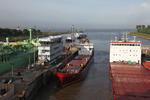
[(97, 85)]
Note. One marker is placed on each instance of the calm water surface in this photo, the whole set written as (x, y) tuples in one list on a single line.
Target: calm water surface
[(97, 85)]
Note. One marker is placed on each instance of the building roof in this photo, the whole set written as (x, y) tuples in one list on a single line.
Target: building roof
[(50, 38)]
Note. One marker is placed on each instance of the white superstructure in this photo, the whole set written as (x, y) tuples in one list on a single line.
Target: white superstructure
[(70, 38), (85, 48), (51, 47), (125, 51)]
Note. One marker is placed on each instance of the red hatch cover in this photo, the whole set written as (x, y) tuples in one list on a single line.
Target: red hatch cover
[(130, 82)]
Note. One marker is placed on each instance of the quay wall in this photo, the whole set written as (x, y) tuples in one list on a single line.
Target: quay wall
[(29, 90)]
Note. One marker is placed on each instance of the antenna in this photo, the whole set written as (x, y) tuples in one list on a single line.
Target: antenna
[(134, 38), (72, 29), (126, 37), (123, 38), (115, 38)]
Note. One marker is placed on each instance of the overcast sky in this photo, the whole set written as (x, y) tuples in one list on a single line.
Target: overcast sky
[(93, 14)]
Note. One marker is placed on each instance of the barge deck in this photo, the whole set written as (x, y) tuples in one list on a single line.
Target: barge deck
[(130, 82)]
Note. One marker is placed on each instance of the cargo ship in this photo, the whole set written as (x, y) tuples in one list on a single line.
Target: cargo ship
[(130, 80), (76, 35), (77, 68)]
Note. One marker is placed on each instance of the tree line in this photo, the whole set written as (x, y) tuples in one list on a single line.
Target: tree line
[(5, 32), (17, 35), (143, 29)]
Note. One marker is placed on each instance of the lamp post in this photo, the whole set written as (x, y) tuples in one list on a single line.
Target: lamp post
[(12, 69), (34, 55), (30, 30)]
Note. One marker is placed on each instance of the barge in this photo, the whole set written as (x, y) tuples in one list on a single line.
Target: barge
[(77, 68)]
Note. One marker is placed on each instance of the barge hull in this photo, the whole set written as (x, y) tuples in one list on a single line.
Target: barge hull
[(130, 82), (67, 79)]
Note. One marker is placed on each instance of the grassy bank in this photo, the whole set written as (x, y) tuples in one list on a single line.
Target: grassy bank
[(34, 35), (141, 35)]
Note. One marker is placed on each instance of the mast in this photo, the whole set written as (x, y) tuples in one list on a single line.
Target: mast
[(126, 36), (116, 39), (134, 38), (72, 29)]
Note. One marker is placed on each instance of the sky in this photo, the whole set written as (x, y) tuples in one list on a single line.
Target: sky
[(61, 14)]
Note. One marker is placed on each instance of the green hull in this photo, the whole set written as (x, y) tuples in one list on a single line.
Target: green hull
[(18, 61)]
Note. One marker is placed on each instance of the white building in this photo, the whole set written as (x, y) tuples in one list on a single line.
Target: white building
[(51, 47), (125, 51)]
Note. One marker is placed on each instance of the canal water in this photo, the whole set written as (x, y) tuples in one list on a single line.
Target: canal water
[(97, 85)]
